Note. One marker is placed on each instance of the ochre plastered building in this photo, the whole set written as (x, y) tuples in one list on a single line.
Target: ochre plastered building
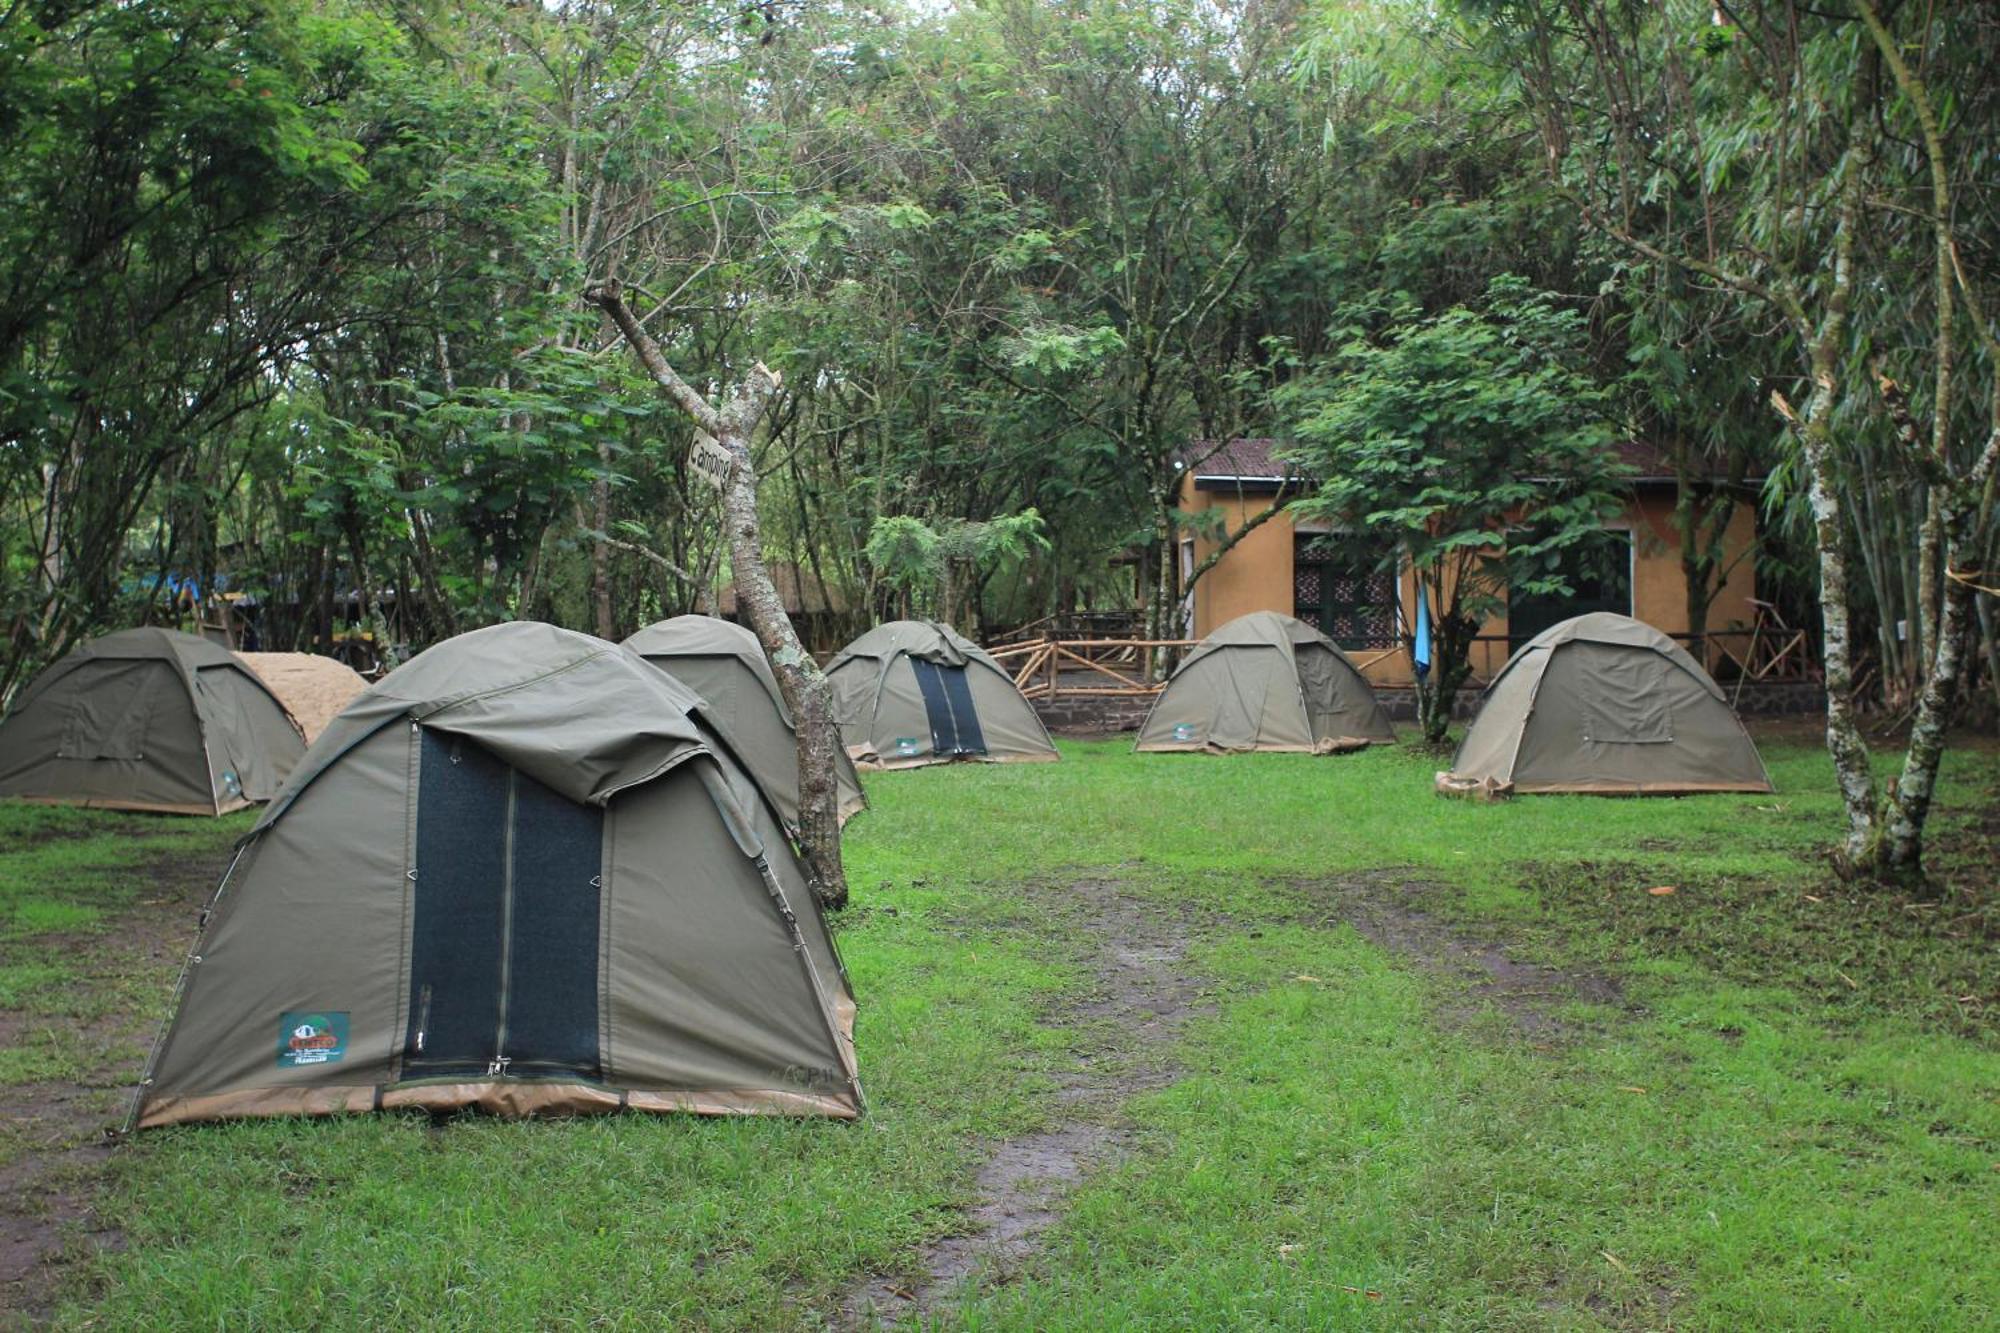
[(1339, 582)]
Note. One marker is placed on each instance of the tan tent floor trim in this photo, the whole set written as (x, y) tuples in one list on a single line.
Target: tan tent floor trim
[(1637, 789), (141, 807), (513, 1099), (931, 761), (1341, 745)]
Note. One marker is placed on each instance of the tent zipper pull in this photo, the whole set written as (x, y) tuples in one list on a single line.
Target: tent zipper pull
[(423, 1019)]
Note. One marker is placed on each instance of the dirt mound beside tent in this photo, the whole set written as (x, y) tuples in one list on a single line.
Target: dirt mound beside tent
[(312, 687)]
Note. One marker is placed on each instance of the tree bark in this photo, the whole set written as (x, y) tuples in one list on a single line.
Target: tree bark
[(600, 553), (1843, 733), (444, 615), (807, 692), (1452, 634), (1903, 831), (1828, 344)]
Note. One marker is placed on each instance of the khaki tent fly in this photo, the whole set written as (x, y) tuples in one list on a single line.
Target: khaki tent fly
[(518, 875), (1266, 682), (1605, 704), (313, 688), (724, 664), (148, 719), (915, 692)]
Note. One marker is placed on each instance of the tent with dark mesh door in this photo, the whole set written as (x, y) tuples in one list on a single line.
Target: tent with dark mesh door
[(518, 874), (914, 692)]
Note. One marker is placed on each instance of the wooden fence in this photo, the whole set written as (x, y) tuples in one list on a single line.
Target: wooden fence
[(1049, 667), (1114, 667)]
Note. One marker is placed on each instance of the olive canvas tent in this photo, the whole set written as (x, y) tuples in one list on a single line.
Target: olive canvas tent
[(518, 874), (1608, 705), (915, 692), (724, 664), (148, 719), (1266, 682)]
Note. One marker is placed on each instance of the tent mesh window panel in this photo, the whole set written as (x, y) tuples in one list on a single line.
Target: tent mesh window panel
[(1342, 591), (948, 701), (503, 968)]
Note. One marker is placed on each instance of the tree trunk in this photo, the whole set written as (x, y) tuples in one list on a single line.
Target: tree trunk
[(444, 616), (1903, 832), (808, 694), (1436, 691), (386, 656), (1701, 522), (600, 554), (1828, 345), (329, 572), (1843, 733), (1160, 588)]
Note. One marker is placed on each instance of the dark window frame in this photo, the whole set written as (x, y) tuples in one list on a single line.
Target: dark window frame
[(1348, 589)]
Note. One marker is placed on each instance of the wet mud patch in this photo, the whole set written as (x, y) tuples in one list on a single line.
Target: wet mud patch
[(1130, 1022), (1383, 907), (89, 1049)]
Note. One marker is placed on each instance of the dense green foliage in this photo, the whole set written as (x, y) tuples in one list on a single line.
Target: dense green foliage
[(291, 291), (291, 298), (1470, 442)]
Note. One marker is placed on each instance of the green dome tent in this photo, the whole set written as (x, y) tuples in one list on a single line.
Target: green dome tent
[(1608, 705), (148, 719), (1266, 682), (723, 663), (915, 692), (517, 874)]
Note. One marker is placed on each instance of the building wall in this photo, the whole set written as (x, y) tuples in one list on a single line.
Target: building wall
[(1257, 576), (1659, 592)]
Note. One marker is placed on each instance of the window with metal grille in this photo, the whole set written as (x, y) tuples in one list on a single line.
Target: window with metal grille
[(1345, 585)]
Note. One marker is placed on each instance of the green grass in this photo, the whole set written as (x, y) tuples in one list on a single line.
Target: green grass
[(65, 870), (1814, 1145)]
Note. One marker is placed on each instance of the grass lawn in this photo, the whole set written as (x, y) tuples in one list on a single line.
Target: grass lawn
[(1763, 1099)]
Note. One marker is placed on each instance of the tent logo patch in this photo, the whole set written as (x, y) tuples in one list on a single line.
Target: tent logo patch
[(311, 1039)]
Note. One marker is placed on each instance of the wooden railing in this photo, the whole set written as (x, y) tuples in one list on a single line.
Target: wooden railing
[(1049, 667), (1114, 667), (1072, 625)]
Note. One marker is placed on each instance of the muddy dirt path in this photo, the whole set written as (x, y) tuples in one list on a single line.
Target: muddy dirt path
[(1143, 996), (1382, 906), (54, 1153)]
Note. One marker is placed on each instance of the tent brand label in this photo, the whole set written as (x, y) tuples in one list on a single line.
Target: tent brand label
[(311, 1039), (906, 745)]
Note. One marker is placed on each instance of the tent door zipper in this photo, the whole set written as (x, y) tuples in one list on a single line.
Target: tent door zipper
[(500, 1059)]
